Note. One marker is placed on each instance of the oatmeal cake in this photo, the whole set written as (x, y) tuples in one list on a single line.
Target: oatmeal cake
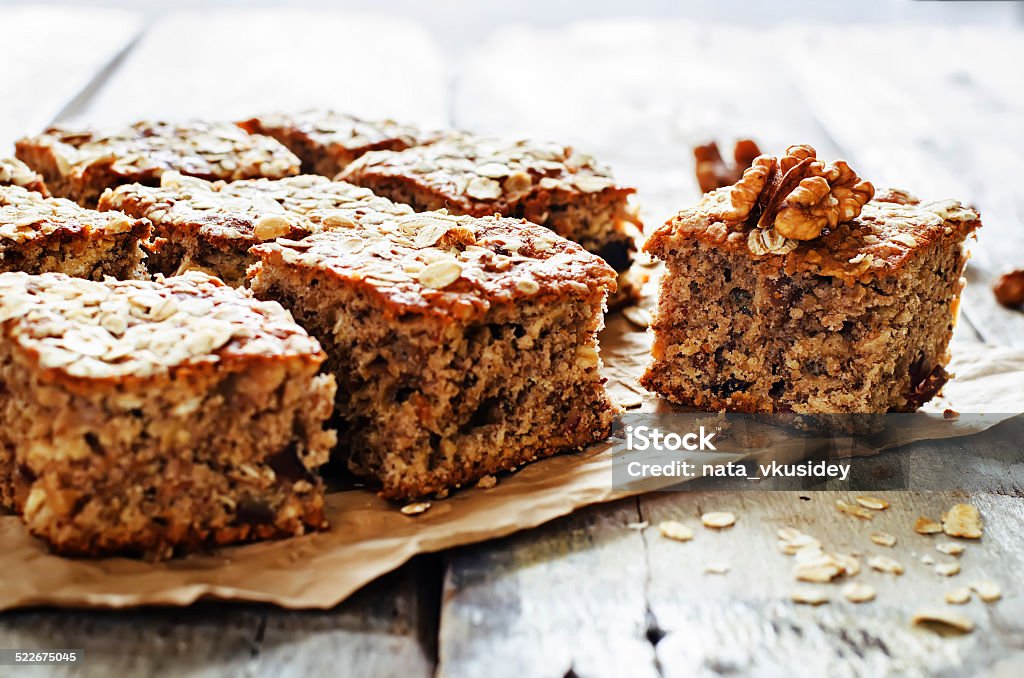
[(14, 172), (155, 418), (80, 164), (210, 227), (462, 346), (327, 141), (800, 290), (40, 235), (547, 184)]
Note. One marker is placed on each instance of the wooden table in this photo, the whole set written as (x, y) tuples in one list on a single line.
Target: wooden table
[(936, 110)]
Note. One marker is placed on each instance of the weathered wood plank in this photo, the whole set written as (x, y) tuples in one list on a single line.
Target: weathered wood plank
[(50, 55), (230, 64), (564, 599)]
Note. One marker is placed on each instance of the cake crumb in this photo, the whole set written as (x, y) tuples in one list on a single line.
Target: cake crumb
[(950, 414), (487, 482)]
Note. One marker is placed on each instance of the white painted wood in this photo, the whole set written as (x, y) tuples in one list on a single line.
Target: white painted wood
[(51, 54), (232, 64)]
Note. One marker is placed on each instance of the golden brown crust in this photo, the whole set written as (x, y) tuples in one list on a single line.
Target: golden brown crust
[(86, 334), (889, 232), (451, 267), (327, 141), (80, 163)]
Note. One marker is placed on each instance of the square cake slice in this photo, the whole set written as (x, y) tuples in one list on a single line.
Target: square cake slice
[(79, 164), (327, 141), (462, 346), (199, 225), (798, 290), (155, 418), (50, 235), (547, 184), (14, 172)]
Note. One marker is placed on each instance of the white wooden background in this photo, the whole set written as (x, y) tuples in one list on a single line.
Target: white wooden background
[(937, 110)]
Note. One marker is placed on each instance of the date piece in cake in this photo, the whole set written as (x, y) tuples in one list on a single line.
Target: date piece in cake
[(327, 141), (796, 292), (547, 184), (462, 346), (80, 164), (210, 226), (50, 235), (157, 417), (14, 172)]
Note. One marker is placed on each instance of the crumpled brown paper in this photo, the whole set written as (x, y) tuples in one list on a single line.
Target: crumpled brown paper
[(369, 537)]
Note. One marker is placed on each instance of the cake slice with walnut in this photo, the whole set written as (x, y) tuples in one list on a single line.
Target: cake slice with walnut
[(462, 346), (548, 184), (800, 290)]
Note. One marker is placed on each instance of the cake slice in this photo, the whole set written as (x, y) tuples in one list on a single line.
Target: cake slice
[(462, 346), (14, 172), (40, 235), (547, 184), (199, 225), (800, 290), (327, 141), (80, 163), (156, 418)]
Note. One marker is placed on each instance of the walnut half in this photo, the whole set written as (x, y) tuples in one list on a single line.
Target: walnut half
[(1009, 289), (796, 196), (712, 170)]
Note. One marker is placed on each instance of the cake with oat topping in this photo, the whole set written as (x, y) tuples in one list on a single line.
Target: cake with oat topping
[(210, 226), (462, 346), (801, 290), (39, 235), (156, 418), (80, 164), (328, 141), (547, 184), (14, 172)]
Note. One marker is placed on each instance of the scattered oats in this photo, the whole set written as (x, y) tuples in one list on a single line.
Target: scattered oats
[(854, 510), (440, 274), (638, 316), (718, 519), (416, 508), (527, 286), (856, 592), (945, 618), (906, 239), (807, 595), (950, 548), (592, 184), (883, 538), (809, 552), (820, 570), (271, 226), (642, 525), (873, 503), (717, 568), (927, 526), (850, 565), (947, 569), (482, 188), (962, 520), (987, 590), (792, 541), (927, 559), (958, 596), (673, 529), (487, 482), (885, 564)]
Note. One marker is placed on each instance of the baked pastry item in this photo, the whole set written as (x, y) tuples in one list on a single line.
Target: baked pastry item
[(796, 292), (199, 225), (548, 184), (80, 164), (461, 346), (14, 172), (327, 141), (40, 235), (157, 417)]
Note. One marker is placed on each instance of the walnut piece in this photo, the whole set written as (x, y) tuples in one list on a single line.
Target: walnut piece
[(712, 170), (1009, 289), (793, 197)]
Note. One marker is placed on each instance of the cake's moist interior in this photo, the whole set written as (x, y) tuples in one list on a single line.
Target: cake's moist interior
[(735, 332), (427, 404), (80, 256), (156, 467)]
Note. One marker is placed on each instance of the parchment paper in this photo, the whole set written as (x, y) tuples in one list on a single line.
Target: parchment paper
[(370, 537)]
